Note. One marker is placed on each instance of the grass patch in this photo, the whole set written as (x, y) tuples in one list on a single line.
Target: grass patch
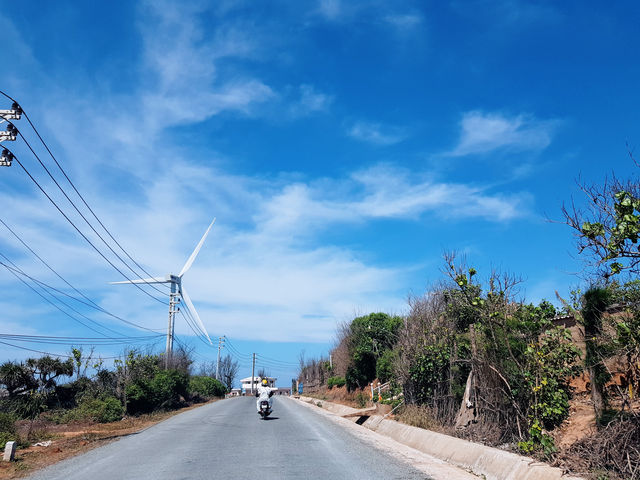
[(418, 416)]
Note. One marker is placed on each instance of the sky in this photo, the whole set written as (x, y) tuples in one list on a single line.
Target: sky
[(342, 147)]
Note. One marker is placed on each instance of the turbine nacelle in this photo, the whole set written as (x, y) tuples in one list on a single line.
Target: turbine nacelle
[(176, 283)]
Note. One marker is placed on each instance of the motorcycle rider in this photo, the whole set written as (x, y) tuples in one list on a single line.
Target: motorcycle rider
[(264, 392)]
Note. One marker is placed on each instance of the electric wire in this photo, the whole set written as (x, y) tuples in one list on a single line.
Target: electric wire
[(47, 265), (56, 306), (89, 303), (73, 185), (192, 326), (79, 231), (233, 348), (50, 353), (273, 360), (16, 270), (57, 340), (83, 217)]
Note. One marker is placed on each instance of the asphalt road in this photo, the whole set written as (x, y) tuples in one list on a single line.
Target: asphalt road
[(227, 439)]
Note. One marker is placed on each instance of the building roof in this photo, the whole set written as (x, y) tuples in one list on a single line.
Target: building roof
[(257, 378)]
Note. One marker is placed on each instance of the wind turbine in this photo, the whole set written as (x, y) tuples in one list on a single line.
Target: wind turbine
[(177, 290)]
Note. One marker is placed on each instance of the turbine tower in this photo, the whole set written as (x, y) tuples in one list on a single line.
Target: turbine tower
[(177, 293)]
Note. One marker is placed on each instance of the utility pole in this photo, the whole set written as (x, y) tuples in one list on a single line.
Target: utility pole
[(253, 371), (220, 345), (330, 361), (173, 301)]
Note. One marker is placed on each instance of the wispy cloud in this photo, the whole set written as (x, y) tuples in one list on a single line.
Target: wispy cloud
[(188, 86), (482, 132), (300, 209), (330, 9), (310, 101), (376, 133)]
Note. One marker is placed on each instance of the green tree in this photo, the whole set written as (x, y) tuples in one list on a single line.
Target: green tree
[(206, 386), (608, 228), (370, 336), (17, 378), (47, 369)]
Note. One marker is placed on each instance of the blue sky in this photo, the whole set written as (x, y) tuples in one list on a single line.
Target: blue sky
[(342, 146)]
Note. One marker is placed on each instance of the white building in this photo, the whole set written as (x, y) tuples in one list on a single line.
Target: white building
[(246, 383)]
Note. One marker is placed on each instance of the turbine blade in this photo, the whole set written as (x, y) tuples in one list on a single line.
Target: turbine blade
[(193, 256), (143, 280), (187, 300)]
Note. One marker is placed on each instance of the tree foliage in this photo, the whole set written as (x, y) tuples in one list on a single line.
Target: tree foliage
[(370, 337), (206, 386), (608, 228)]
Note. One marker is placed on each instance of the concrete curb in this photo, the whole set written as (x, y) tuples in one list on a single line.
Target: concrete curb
[(493, 463)]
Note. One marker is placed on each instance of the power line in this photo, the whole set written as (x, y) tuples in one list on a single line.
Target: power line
[(43, 286), (273, 360), (89, 303), (56, 340), (73, 185), (58, 308), (83, 217), (47, 265), (193, 326), (80, 232), (50, 353), (233, 348)]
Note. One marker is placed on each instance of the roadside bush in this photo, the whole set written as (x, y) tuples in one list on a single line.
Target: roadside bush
[(418, 416), (384, 367), (206, 386), (362, 400), (336, 382), (167, 389), (139, 397), (7, 429), (170, 388), (66, 396), (101, 409)]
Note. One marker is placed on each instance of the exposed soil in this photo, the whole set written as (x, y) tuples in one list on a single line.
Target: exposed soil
[(71, 439), (580, 424)]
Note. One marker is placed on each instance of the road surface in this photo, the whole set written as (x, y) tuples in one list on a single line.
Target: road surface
[(227, 439)]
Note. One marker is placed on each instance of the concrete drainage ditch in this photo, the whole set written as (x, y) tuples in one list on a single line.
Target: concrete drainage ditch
[(492, 463)]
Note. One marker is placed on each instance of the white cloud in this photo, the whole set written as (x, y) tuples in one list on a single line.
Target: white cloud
[(376, 133), (183, 82), (300, 209), (485, 132), (311, 101), (331, 9)]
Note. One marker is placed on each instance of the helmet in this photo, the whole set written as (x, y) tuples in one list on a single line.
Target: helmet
[(264, 381)]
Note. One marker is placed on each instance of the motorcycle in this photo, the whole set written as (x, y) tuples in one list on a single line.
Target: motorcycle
[(265, 410)]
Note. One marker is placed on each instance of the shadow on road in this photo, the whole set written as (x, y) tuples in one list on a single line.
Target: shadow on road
[(272, 418)]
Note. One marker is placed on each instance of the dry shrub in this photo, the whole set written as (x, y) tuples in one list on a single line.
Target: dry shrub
[(418, 416), (614, 449), (340, 353)]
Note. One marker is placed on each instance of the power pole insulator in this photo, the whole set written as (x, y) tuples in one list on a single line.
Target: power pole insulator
[(14, 114), (9, 134), (6, 158)]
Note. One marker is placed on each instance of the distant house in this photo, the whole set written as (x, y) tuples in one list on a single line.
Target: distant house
[(235, 392), (246, 383)]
